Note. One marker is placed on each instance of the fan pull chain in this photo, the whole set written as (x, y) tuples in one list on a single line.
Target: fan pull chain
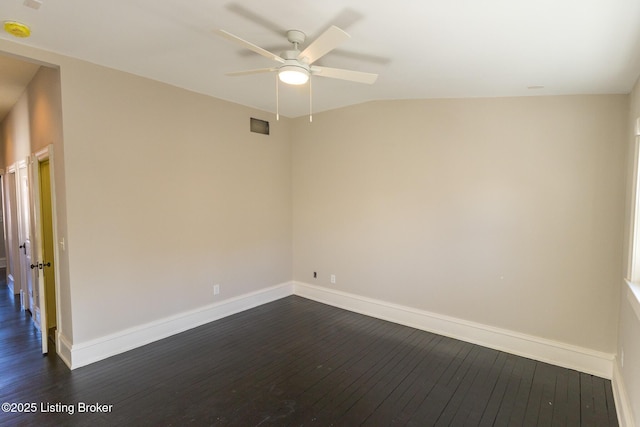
[(277, 100), (310, 101)]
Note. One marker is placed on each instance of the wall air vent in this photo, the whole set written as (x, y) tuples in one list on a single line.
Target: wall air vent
[(259, 126)]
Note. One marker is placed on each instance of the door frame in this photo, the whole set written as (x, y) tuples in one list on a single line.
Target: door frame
[(38, 157)]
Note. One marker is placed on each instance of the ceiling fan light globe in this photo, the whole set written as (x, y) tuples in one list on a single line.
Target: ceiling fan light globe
[(293, 75)]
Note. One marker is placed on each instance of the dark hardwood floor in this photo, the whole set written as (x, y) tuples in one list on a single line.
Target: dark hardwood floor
[(295, 362)]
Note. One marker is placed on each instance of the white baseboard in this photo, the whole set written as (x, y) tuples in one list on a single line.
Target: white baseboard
[(544, 350), (84, 353), (623, 405), (541, 349), (63, 349)]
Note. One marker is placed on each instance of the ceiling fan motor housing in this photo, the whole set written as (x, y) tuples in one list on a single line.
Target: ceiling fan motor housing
[(296, 36)]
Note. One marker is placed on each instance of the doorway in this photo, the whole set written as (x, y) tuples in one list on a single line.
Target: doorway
[(47, 265), (24, 237), (46, 310), (31, 235), (11, 233)]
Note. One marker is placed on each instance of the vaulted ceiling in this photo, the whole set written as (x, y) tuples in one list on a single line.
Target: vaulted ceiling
[(420, 49)]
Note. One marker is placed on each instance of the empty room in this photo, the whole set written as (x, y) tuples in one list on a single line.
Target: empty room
[(249, 213)]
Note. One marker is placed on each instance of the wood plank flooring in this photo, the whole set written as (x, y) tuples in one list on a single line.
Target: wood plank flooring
[(296, 362)]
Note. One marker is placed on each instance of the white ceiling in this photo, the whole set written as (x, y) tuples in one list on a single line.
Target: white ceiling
[(419, 48)]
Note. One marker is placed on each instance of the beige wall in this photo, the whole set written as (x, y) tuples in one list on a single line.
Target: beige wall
[(629, 334), (166, 193), (16, 132), (506, 212), (36, 119)]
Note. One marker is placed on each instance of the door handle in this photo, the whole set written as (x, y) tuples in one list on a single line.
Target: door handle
[(40, 265), (23, 246)]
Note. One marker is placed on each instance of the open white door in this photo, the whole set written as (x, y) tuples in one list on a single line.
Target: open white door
[(12, 235), (40, 312), (24, 236)]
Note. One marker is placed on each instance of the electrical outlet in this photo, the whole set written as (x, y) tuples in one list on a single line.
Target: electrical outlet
[(216, 289), (333, 278)]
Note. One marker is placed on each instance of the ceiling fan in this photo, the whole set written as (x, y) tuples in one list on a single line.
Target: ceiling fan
[(295, 66)]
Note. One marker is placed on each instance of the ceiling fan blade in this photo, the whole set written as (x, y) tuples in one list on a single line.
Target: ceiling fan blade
[(338, 73), (255, 17), (325, 43), (247, 72), (248, 45)]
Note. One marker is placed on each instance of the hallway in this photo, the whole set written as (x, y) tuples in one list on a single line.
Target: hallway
[(26, 375)]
